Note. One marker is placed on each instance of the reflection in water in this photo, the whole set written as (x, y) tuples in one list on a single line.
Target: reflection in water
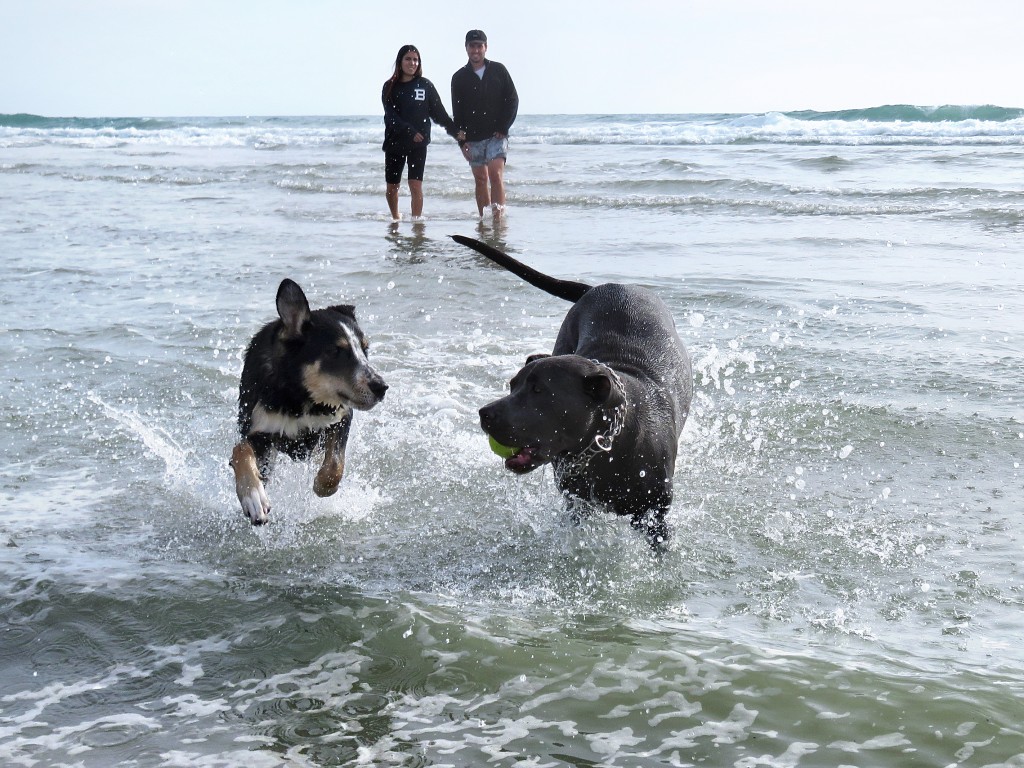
[(410, 243), (408, 247), (493, 231)]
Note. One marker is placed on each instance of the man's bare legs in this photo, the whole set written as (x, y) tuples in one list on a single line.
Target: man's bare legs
[(490, 185), (496, 177), (483, 196)]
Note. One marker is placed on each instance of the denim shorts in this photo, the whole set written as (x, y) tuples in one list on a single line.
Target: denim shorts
[(482, 152)]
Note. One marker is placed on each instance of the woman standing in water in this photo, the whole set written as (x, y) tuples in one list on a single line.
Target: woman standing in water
[(410, 103)]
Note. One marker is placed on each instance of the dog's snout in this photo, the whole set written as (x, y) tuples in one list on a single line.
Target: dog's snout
[(486, 416), (378, 387)]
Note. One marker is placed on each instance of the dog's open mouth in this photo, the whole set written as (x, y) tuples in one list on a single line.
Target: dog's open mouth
[(526, 460)]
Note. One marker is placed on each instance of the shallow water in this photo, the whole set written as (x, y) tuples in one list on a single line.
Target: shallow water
[(844, 586)]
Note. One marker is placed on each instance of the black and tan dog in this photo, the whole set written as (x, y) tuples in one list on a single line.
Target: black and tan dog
[(303, 375), (606, 408)]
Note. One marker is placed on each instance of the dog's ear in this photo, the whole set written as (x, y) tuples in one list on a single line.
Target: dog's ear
[(344, 309), (598, 386), (538, 356), (602, 389), (292, 307)]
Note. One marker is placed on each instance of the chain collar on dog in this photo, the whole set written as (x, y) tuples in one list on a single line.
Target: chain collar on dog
[(603, 441)]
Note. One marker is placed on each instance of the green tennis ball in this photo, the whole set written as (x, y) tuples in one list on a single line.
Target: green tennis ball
[(502, 450)]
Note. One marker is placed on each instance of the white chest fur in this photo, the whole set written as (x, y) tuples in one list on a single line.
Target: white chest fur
[(274, 423)]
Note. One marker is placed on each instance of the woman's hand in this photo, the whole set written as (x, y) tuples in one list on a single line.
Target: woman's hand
[(418, 138)]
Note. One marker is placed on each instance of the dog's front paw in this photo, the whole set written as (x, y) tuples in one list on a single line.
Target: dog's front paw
[(329, 476), (654, 528), (256, 505), (248, 484), (324, 488)]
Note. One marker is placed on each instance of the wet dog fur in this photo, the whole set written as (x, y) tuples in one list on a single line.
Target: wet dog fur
[(607, 406), (302, 377)]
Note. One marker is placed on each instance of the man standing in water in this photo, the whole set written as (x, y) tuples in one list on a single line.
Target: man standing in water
[(484, 106)]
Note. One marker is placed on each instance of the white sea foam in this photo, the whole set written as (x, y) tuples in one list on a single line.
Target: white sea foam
[(911, 126)]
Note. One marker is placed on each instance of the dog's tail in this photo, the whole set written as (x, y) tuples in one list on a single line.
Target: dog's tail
[(563, 289)]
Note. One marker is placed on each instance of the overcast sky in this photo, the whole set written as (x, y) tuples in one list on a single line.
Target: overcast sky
[(146, 58)]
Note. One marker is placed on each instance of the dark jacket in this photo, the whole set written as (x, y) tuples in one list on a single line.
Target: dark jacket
[(483, 107), (408, 110)]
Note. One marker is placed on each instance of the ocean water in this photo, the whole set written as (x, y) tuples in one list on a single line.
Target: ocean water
[(845, 585)]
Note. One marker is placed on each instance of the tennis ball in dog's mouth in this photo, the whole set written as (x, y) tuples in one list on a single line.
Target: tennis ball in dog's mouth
[(502, 450)]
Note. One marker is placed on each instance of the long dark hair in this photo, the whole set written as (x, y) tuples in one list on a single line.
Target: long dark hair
[(398, 66)]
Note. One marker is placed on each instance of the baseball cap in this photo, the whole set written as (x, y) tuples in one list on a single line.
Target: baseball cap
[(476, 36)]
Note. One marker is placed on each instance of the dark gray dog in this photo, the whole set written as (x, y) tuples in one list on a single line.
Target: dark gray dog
[(606, 408)]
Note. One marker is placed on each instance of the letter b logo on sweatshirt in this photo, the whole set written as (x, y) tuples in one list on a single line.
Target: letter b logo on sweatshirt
[(419, 94)]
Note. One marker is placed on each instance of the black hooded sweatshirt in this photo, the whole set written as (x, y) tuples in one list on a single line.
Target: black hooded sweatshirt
[(408, 110), (483, 107)]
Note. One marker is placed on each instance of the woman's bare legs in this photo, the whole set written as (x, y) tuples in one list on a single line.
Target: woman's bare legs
[(416, 191), (392, 197)]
